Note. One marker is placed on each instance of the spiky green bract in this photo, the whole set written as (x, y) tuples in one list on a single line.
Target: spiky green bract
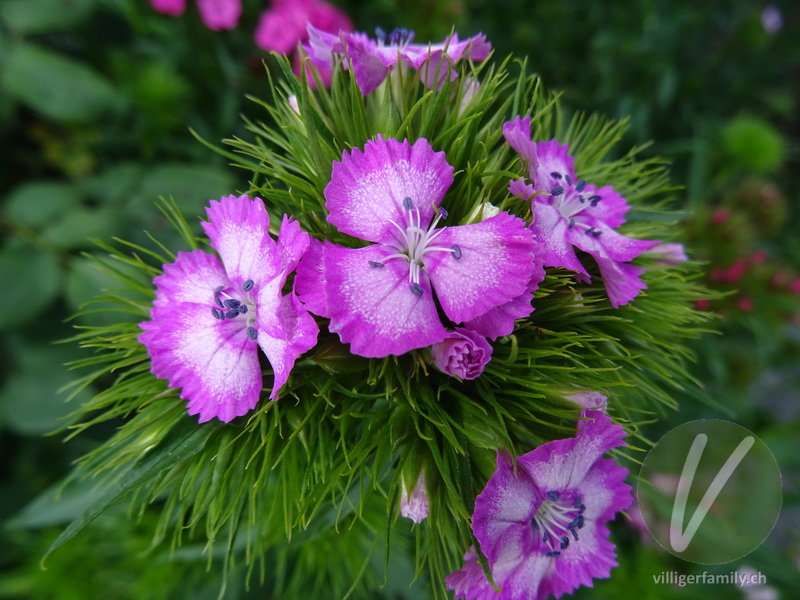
[(307, 488)]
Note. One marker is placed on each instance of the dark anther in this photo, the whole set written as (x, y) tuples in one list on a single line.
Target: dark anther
[(416, 289), (377, 265), (557, 191), (545, 537), (555, 175), (380, 34), (408, 204), (248, 285), (590, 231), (232, 313), (216, 313), (535, 523), (231, 303), (581, 199), (577, 502), (581, 508), (569, 179), (581, 185), (456, 251), (252, 333), (574, 533), (596, 233), (242, 308), (564, 542), (577, 522), (553, 554), (571, 223), (218, 290), (218, 301), (593, 200), (552, 496), (443, 213)]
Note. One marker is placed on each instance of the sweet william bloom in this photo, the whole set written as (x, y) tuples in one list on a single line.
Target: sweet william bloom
[(542, 524), (283, 26), (570, 213), (463, 354), (169, 7), (212, 314), (372, 59), (380, 298), (218, 15), (414, 506)]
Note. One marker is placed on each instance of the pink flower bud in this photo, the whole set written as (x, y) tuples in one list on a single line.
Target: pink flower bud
[(415, 506), (462, 354)]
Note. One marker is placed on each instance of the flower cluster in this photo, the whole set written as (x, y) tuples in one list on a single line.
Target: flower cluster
[(446, 247)]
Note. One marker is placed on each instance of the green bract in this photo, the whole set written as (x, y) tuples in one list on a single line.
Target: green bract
[(306, 490)]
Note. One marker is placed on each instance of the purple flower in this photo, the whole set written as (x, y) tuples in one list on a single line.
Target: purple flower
[(283, 25), (771, 19), (211, 314), (220, 14), (542, 523), (169, 7), (462, 354), (415, 505), (373, 59), (669, 253), (379, 298), (570, 213)]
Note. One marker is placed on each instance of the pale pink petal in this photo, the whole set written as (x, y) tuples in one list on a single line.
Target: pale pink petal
[(310, 281), (301, 336), (282, 27), (214, 361), (621, 280), (371, 188), (239, 231), (555, 249), (218, 15), (193, 277), (518, 136), (373, 308)]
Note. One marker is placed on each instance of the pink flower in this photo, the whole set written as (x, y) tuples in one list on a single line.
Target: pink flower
[(462, 354), (415, 505), (283, 25), (169, 7), (220, 14), (745, 304), (541, 519), (211, 314)]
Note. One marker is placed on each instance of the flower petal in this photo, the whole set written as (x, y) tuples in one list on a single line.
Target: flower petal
[(609, 243), (493, 265), (372, 308), (370, 63), (518, 136), (552, 158), (310, 281), (551, 230), (239, 231), (218, 15), (621, 281), (193, 277), (368, 189), (301, 335), (214, 361), (610, 209)]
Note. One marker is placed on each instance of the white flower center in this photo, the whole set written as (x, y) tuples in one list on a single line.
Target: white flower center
[(241, 307), (569, 199), (556, 520)]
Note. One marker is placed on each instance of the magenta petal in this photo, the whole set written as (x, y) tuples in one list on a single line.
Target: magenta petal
[(373, 308), (214, 361), (169, 7), (470, 582), (610, 243), (193, 277), (611, 208), (492, 265), (301, 335), (518, 136), (551, 231), (621, 280), (310, 281), (239, 231), (292, 244), (370, 64), (368, 189), (281, 27), (552, 157)]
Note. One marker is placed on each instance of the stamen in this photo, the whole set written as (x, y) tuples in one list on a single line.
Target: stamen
[(443, 213), (416, 289), (232, 313), (564, 542), (456, 251), (580, 186), (252, 333), (376, 265), (380, 34), (216, 313), (555, 175), (553, 554), (552, 496), (593, 200), (242, 309), (597, 233), (571, 223), (232, 303), (568, 179), (577, 502), (408, 204), (557, 191), (589, 231), (581, 199), (248, 285), (218, 301)]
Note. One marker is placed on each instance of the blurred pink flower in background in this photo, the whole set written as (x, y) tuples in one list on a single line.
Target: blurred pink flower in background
[(283, 25), (220, 14), (169, 7), (771, 19)]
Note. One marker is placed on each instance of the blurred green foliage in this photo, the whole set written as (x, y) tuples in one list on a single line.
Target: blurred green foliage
[(97, 100)]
